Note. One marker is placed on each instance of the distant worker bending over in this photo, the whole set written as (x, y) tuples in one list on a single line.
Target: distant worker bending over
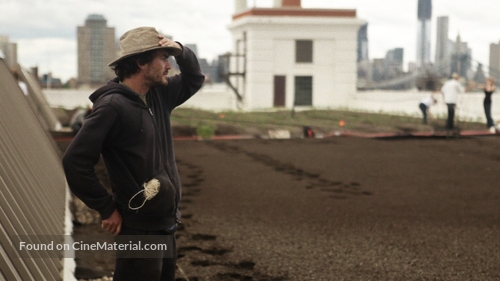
[(425, 105)]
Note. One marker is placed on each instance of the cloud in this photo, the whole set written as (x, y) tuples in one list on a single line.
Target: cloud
[(56, 55), (36, 19)]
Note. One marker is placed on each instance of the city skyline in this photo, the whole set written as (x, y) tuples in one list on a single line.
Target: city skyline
[(50, 42)]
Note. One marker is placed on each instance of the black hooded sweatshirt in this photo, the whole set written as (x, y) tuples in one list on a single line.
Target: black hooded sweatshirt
[(135, 142)]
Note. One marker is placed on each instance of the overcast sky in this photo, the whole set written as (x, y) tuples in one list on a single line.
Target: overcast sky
[(45, 30)]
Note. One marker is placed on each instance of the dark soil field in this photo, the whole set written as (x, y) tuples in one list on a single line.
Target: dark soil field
[(335, 209)]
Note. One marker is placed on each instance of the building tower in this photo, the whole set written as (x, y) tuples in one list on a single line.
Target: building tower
[(494, 69), (363, 61), (9, 51), (461, 58), (363, 43), (96, 48), (240, 6), (443, 57), (424, 33)]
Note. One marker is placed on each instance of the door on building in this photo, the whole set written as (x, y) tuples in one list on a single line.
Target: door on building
[(303, 90), (279, 90)]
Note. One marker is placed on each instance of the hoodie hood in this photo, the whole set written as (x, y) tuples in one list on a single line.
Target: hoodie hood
[(114, 87)]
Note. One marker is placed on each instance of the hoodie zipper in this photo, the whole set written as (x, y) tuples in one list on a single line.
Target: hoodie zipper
[(159, 146)]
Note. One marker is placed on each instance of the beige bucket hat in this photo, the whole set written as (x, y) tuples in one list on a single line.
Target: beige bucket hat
[(140, 40)]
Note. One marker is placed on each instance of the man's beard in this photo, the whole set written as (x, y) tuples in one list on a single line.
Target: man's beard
[(156, 81)]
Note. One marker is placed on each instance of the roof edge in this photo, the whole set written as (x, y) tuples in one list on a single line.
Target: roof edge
[(297, 12)]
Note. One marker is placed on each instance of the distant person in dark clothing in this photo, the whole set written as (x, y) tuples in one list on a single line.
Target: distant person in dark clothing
[(424, 105), (488, 88), (130, 128)]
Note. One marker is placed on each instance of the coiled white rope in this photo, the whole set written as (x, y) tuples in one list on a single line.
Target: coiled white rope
[(150, 189)]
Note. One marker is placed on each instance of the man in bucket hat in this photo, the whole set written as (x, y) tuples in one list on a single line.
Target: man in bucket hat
[(130, 127)]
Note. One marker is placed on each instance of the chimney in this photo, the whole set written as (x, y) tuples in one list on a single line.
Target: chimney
[(240, 6), (286, 3)]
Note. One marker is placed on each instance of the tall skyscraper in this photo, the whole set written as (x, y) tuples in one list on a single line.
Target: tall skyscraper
[(394, 57), (494, 70), (479, 76), (363, 43), (96, 48), (363, 62), (393, 63), (424, 33), (9, 50), (443, 57), (461, 58)]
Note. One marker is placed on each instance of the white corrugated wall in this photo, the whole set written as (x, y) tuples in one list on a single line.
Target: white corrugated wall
[(33, 190)]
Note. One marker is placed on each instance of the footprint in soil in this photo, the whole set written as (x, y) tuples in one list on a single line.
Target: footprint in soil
[(312, 179), (204, 237), (233, 276), (214, 251), (203, 250), (245, 265)]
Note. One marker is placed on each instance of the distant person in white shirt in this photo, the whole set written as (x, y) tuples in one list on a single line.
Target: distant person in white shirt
[(425, 104), (21, 84), (450, 90)]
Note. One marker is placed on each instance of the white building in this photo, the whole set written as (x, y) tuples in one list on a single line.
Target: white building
[(289, 56)]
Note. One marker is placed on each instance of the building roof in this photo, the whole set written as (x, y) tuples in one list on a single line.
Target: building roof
[(296, 12), (96, 17)]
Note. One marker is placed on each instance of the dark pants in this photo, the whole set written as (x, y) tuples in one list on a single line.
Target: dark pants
[(151, 269), (487, 111), (451, 116), (423, 107)]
